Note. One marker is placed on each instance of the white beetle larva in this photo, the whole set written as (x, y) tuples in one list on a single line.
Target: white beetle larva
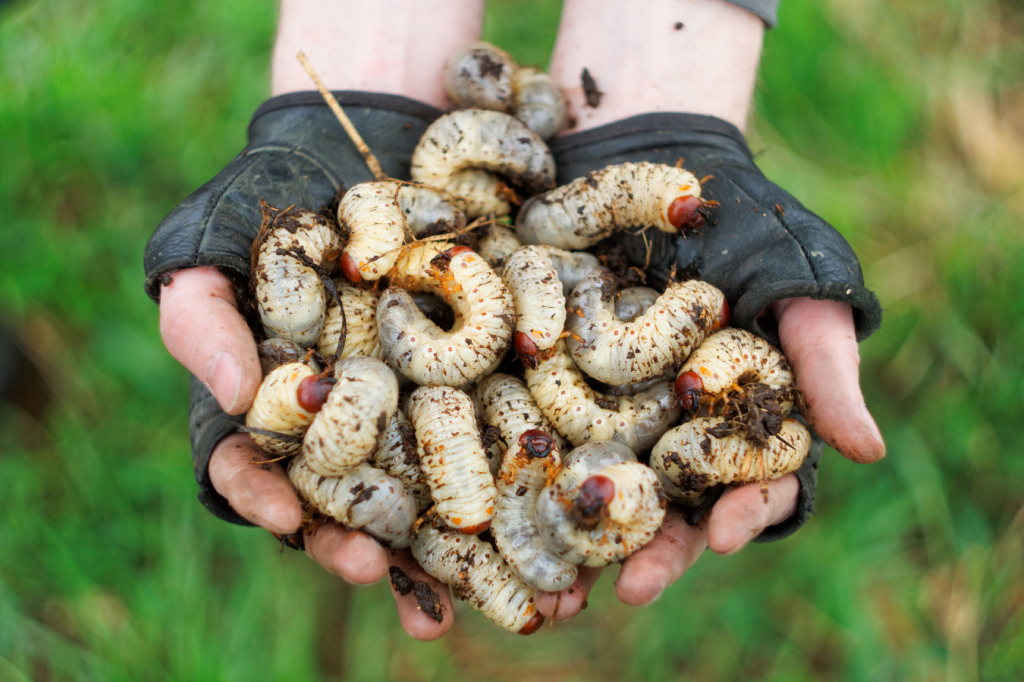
[(289, 294), (497, 245), (533, 275), (538, 102), (276, 352), (457, 151), (358, 409), (286, 403), (377, 215), (581, 414), (428, 355), (688, 459), (364, 499), (480, 75), (530, 461), (360, 323), (452, 457), (617, 352), (505, 402), (478, 575), (397, 456), (602, 507), (591, 208)]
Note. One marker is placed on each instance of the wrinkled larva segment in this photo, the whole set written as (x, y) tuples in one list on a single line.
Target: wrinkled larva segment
[(474, 140), (357, 411), (478, 575), (594, 516), (380, 215), (632, 302), (732, 356), (499, 243), (290, 296), (360, 322), (277, 408), (617, 352), (452, 457), (530, 461), (413, 270), (480, 75), (505, 402), (364, 499), (276, 352), (396, 455), (428, 355), (589, 209), (540, 306), (581, 414), (538, 102), (688, 460)]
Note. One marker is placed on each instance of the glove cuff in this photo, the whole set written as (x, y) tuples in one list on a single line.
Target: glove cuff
[(208, 425)]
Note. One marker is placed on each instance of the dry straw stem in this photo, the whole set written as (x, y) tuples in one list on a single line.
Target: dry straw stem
[(371, 160)]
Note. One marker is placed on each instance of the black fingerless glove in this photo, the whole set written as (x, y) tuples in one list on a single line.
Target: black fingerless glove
[(758, 246), (297, 154)]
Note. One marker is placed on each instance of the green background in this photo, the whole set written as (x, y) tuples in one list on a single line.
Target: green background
[(902, 122)]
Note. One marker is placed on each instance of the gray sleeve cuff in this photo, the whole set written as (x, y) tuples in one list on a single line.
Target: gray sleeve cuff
[(768, 10)]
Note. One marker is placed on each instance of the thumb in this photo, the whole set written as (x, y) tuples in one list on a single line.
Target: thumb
[(202, 329), (819, 340)]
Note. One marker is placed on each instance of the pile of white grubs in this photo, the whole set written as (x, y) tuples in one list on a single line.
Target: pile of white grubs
[(503, 484)]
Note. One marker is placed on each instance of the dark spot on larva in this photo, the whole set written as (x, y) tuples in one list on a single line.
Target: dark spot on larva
[(521, 490), (382, 421), (392, 303), (691, 481)]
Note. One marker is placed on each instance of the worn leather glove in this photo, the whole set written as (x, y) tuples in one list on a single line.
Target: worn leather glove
[(298, 154), (760, 245)]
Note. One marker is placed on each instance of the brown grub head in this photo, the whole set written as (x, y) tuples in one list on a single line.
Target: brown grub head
[(724, 316), (350, 268), (536, 443), (593, 499), (526, 349), (313, 391), (689, 388), (682, 212), (533, 625), (477, 529)]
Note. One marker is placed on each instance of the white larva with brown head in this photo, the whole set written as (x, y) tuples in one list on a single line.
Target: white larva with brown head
[(581, 414), (529, 463), (286, 403), (460, 151), (359, 323), (365, 499), (618, 352), (358, 409), (589, 209), (289, 295), (428, 355), (689, 460), (602, 507), (396, 455), (505, 402), (452, 457), (478, 574), (380, 215)]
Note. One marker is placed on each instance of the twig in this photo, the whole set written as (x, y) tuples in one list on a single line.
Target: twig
[(371, 160)]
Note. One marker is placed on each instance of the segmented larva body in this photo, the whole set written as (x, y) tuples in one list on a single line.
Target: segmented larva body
[(538, 102), (480, 75), (365, 499), (478, 575), (358, 409), (688, 460), (505, 402), (532, 274), (581, 414), (599, 510), (397, 456), (287, 402), (457, 151), (360, 322), (276, 352), (730, 356), (452, 457), (499, 243), (530, 461), (379, 216), (427, 354), (290, 296), (617, 352), (585, 211)]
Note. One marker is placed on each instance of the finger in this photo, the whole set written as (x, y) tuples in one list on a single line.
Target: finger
[(202, 329), (260, 493), (569, 602), (414, 618), (353, 555), (646, 574), (819, 340), (741, 513)]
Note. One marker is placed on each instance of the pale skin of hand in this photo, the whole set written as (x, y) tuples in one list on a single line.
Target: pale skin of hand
[(720, 47)]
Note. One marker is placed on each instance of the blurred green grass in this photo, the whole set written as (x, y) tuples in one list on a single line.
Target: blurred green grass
[(901, 122)]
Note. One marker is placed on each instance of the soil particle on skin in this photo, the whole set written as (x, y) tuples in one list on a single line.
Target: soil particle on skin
[(679, 26), (590, 90), (402, 583), (428, 600)]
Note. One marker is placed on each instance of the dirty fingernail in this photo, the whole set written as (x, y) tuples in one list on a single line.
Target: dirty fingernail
[(873, 427), (224, 377)]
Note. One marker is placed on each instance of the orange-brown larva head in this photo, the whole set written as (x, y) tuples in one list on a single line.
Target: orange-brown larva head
[(313, 391), (684, 214), (526, 349), (689, 388), (536, 443), (477, 529), (724, 316), (350, 268), (533, 625), (456, 250), (594, 496)]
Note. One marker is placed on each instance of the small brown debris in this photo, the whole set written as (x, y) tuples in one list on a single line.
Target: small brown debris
[(590, 90)]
